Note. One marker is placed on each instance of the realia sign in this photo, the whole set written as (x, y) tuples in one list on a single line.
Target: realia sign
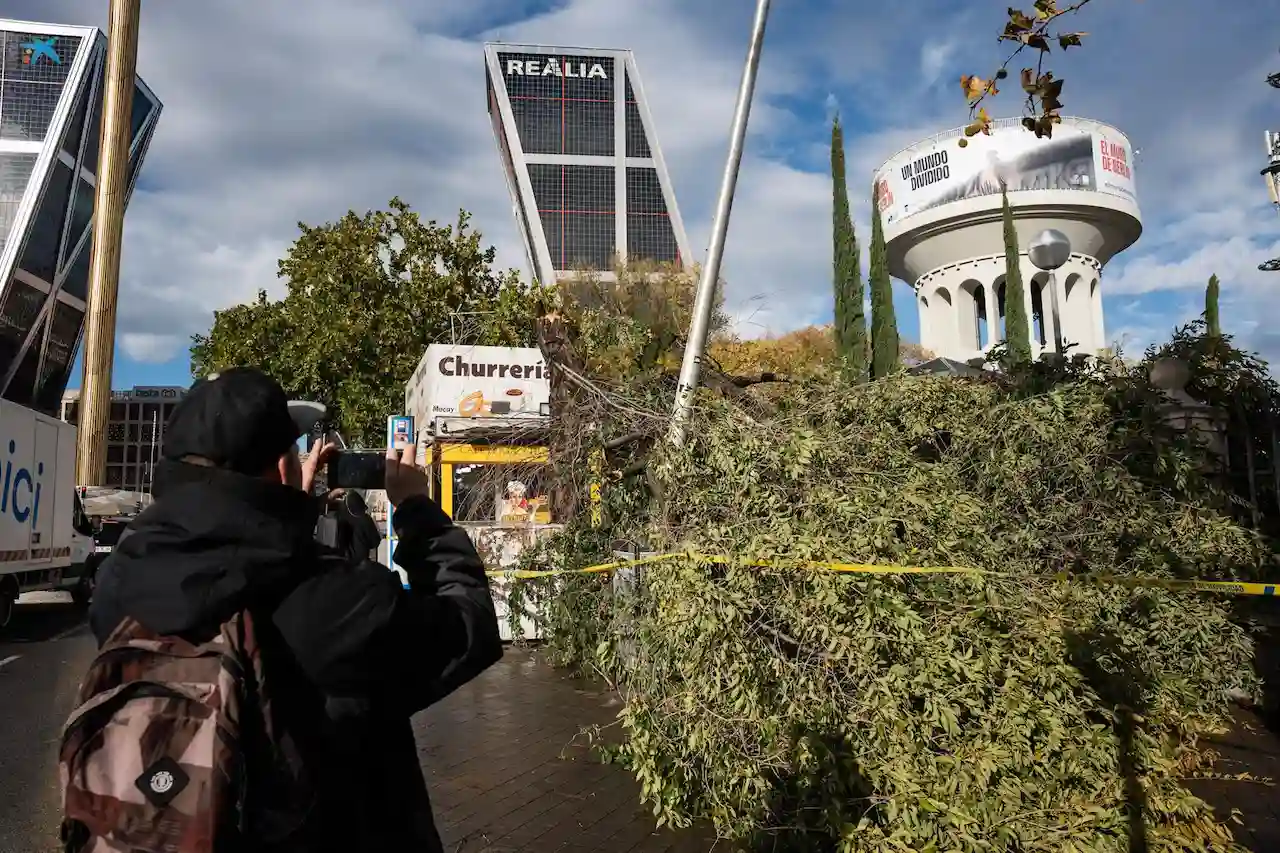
[(554, 66)]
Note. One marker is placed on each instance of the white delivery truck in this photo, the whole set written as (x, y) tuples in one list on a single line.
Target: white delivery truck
[(44, 533)]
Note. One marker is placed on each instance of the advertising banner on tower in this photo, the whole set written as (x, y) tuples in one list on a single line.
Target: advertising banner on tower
[(1113, 165), (1076, 158)]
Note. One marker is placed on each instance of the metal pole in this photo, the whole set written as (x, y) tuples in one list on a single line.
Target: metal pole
[(108, 228), (151, 462), (1057, 315), (704, 300)]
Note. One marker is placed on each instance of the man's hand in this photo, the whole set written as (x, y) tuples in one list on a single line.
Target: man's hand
[(319, 455), (404, 479)]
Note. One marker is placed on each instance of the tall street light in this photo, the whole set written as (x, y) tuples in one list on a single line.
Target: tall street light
[(1271, 173), (704, 300), (108, 230), (1049, 251)]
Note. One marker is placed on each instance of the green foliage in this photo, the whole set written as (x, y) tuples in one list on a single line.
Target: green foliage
[(1239, 386), (812, 710), (884, 323), (634, 322), (1211, 307), (1017, 329), (850, 315), (366, 296)]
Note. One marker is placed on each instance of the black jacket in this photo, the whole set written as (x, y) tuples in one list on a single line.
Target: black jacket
[(364, 654), (355, 533)]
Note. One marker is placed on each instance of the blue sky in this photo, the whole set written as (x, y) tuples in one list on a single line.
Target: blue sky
[(280, 112)]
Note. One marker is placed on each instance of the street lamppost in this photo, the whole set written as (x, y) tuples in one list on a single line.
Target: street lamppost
[(704, 297), (1049, 251), (1271, 173)]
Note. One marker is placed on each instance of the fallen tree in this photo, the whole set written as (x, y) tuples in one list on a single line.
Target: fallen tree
[(802, 708)]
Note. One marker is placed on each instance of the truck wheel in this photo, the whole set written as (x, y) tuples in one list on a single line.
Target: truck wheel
[(8, 602)]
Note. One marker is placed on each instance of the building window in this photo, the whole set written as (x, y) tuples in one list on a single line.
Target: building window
[(506, 494), (561, 104), (637, 142), (577, 207), (650, 235), (44, 240), (18, 315)]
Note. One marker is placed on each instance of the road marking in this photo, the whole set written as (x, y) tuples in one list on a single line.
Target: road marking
[(62, 635), (10, 659)]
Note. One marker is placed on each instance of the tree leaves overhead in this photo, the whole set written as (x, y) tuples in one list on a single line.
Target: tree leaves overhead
[(366, 295), (1036, 30)]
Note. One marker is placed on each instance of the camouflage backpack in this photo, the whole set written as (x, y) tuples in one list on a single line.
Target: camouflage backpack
[(156, 757)]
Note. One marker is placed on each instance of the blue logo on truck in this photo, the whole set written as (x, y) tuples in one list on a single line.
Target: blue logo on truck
[(21, 495)]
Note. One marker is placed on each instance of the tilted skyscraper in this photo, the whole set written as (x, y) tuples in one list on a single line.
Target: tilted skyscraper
[(50, 78), (587, 179)]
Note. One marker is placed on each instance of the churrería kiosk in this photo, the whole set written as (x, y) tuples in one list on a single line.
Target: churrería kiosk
[(482, 415)]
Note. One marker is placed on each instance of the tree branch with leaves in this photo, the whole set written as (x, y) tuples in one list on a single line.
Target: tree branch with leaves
[(366, 295), (1036, 30)]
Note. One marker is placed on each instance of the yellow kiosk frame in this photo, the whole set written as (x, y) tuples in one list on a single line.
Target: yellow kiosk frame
[(448, 455)]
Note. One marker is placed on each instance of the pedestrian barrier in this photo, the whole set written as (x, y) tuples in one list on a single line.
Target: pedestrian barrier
[(1226, 587)]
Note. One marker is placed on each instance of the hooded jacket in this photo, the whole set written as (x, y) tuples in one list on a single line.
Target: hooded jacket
[(351, 530), (358, 653)]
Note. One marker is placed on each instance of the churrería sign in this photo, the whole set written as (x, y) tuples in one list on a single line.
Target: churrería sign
[(482, 382)]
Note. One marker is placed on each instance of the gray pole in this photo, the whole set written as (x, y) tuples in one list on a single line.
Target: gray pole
[(1049, 251), (704, 301), (1057, 314)]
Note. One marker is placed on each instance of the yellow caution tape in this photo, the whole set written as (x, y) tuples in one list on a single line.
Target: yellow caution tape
[(1228, 587)]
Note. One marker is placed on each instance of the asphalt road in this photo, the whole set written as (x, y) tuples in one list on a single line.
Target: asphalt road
[(43, 654)]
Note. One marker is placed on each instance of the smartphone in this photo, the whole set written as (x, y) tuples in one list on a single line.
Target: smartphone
[(358, 469), (401, 431)]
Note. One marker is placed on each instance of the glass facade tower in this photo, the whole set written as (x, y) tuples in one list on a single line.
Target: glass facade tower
[(587, 180), (50, 121)]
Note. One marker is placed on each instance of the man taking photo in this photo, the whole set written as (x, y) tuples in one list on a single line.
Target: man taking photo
[(347, 654)]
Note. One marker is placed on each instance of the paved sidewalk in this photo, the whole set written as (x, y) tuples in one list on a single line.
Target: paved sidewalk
[(1250, 748), (508, 772)]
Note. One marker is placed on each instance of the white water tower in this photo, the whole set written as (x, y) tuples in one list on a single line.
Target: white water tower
[(941, 208)]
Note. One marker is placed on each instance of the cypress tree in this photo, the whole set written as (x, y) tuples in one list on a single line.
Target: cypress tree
[(1211, 308), (884, 324), (1017, 331), (850, 319)]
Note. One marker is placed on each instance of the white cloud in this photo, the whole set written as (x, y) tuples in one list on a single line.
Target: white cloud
[(1233, 259), (276, 113), (934, 58), (149, 348)]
